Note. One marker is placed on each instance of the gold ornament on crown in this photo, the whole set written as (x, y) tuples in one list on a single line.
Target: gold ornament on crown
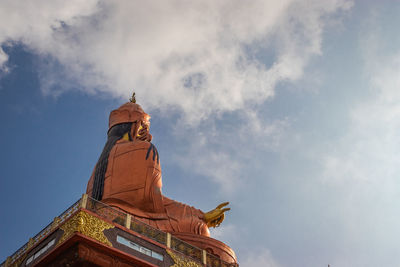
[(133, 98)]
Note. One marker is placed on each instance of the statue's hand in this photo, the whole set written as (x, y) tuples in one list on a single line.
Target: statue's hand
[(215, 217)]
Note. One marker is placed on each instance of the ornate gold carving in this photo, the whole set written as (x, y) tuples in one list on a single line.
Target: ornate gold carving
[(55, 223), (16, 263), (31, 242), (181, 261), (20, 260), (88, 225)]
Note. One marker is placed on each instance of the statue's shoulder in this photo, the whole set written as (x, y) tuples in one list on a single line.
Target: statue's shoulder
[(123, 145), (138, 147), (138, 150)]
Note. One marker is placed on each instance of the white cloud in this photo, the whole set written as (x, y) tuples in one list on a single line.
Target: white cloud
[(201, 58), (3, 60), (270, 133), (196, 58)]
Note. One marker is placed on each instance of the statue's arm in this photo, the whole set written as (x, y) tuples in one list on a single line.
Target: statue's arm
[(212, 218)]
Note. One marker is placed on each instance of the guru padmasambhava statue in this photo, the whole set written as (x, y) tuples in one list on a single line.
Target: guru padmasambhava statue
[(128, 176)]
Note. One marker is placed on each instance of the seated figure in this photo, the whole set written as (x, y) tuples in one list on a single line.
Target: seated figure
[(128, 176)]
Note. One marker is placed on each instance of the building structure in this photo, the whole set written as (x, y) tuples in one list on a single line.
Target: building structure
[(91, 233)]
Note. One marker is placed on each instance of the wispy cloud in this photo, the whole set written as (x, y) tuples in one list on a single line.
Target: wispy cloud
[(254, 256), (368, 150), (3, 60), (221, 149), (216, 162), (363, 165), (259, 258), (224, 232)]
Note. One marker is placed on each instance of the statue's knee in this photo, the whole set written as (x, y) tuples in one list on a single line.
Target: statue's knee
[(204, 230)]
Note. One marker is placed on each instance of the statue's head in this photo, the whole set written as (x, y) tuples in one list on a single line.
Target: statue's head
[(128, 112), (132, 113)]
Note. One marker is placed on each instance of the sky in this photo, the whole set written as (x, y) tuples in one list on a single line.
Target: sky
[(288, 109)]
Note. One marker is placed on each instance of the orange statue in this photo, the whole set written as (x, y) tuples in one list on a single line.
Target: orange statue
[(128, 176)]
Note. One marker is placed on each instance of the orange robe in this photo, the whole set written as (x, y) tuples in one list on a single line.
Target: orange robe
[(133, 184)]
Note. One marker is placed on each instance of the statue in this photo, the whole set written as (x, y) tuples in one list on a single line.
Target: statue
[(127, 176)]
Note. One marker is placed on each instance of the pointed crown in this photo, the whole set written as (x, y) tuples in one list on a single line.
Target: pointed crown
[(128, 112)]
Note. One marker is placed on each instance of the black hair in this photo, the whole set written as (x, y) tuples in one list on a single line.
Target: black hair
[(114, 134)]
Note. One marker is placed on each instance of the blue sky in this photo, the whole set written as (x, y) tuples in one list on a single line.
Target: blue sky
[(288, 110)]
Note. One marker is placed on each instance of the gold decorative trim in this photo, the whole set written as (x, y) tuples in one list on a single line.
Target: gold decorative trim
[(16, 263), (30, 244), (87, 225), (55, 223), (181, 261)]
